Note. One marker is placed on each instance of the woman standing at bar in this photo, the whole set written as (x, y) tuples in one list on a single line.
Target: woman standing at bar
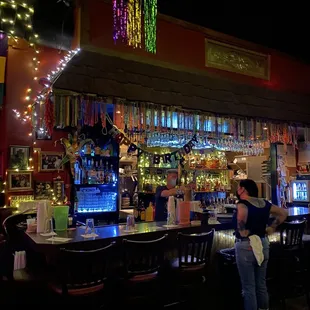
[(252, 244)]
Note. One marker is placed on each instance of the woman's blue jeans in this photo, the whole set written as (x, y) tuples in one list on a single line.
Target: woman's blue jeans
[(252, 276)]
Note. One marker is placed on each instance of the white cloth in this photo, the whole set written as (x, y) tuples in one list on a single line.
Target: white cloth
[(257, 246)]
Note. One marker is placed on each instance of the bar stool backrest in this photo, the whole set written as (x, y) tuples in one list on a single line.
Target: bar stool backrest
[(195, 249), (80, 270), (4, 213), (10, 223), (143, 257), (6, 261), (291, 234)]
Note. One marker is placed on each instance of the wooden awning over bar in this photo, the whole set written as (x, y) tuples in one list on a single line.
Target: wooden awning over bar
[(95, 73)]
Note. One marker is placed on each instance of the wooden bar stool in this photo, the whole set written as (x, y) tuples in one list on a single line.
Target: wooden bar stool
[(143, 282), (291, 278), (190, 269), (81, 276)]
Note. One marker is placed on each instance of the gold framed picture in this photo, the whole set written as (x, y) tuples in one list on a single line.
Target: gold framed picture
[(50, 161), (19, 157), (20, 181)]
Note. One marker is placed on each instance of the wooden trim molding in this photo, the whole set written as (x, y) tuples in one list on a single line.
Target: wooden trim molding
[(235, 59)]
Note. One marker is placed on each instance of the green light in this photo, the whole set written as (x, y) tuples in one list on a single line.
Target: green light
[(150, 25)]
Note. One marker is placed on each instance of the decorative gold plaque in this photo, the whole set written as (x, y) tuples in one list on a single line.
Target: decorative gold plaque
[(235, 59)]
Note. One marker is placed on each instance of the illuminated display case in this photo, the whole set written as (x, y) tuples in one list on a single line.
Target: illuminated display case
[(96, 178), (96, 185), (300, 191)]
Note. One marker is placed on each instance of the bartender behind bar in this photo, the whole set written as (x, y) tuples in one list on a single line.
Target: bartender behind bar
[(163, 193)]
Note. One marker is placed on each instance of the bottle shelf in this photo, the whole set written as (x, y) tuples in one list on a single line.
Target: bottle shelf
[(208, 169), (99, 157), (97, 184)]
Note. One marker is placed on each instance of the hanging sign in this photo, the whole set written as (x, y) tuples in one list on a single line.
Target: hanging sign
[(178, 155)]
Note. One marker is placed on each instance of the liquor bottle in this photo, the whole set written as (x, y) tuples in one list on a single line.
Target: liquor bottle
[(106, 174), (112, 175), (136, 213), (101, 177), (86, 177), (76, 173), (76, 204)]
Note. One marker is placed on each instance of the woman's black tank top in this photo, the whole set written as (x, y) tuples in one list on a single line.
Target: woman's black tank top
[(257, 219)]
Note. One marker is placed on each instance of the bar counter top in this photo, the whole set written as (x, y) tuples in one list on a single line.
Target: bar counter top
[(143, 231), (111, 233)]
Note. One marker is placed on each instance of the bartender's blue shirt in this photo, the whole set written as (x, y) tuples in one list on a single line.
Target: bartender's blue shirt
[(160, 204)]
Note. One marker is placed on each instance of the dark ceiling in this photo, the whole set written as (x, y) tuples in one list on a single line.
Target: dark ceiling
[(53, 20)]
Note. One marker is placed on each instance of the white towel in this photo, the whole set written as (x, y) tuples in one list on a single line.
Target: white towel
[(257, 246)]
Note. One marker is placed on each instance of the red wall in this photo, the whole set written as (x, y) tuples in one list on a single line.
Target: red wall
[(181, 46), (18, 79)]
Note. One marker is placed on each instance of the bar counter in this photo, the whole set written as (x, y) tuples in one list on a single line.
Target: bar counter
[(42, 255), (116, 233), (143, 231)]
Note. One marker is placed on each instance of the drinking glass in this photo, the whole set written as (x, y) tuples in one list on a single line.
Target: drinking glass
[(61, 217), (90, 226), (49, 226), (213, 217), (130, 224)]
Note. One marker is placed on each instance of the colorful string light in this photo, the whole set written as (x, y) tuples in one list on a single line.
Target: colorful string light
[(18, 24), (30, 114), (134, 23), (150, 25), (119, 21)]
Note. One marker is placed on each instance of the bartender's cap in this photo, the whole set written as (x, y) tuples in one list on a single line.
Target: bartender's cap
[(172, 171)]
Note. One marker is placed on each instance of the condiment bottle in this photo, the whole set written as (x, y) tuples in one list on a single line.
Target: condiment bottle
[(149, 213), (142, 214)]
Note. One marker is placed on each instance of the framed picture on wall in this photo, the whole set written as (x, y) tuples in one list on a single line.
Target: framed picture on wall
[(20, 181), (43, 190), (50, 161), (19, 157)]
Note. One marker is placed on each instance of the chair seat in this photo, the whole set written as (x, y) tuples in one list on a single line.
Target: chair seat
[(190, 268), (144, 278), (78, 291)]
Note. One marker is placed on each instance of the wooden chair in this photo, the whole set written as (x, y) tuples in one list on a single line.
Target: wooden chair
[(290, 279), (14, 239), (82, 275), (6, 262), (194, 252), (291, 234), (4, 213), (143, 271)]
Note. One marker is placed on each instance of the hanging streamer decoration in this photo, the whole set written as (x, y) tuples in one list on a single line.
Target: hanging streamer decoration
[(178, 155), (134, 23), (72, 147), (119, 21), (49, 115), (150, 25)]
